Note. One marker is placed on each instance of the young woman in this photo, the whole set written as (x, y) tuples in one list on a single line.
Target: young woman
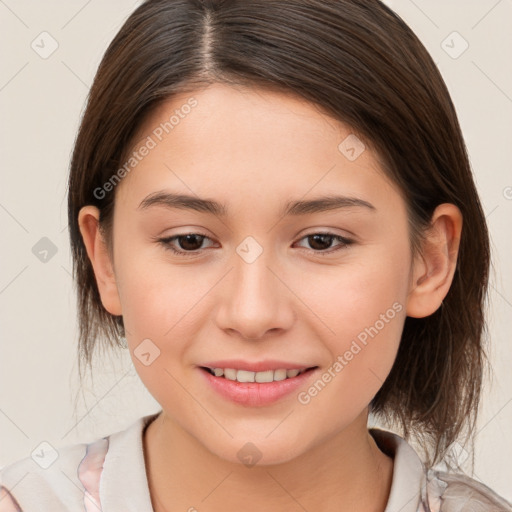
[(271, 202)]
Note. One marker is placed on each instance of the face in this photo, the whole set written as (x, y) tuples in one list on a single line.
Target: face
[(262, 283)]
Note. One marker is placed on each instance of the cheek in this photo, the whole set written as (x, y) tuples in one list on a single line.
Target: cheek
[(157, 298), (160, 308), (363, 307), (354, 297)]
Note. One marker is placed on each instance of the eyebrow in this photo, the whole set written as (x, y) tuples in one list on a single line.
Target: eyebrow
[(294, 208)]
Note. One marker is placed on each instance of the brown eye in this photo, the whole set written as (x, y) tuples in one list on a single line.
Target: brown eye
[(187, 244), (321, 242), (191, 242)]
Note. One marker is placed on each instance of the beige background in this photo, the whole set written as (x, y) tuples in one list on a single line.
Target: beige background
[(40, 103)]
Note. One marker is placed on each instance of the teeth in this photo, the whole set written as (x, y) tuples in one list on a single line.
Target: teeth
[(267, 376), (280, 375), (247, 376), (230, 374)]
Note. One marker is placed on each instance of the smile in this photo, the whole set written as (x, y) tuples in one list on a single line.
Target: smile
[(260, 388), (261, 377)]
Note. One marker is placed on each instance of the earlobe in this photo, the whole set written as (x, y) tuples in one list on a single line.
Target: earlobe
[(434, 269), (88, 220)]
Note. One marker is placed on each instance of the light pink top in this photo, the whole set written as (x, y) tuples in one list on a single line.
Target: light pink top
[(109, 475)]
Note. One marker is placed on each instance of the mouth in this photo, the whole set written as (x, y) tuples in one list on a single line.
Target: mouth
[(256, 383), (261, 377)]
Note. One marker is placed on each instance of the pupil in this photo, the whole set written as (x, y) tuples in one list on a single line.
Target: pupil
[(323, 239), (187, 239)]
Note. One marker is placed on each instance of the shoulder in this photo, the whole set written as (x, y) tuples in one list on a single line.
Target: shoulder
[(51, 479), (417, 488), (454, 492)]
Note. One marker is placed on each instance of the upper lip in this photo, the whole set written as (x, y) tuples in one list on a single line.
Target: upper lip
[(256, 366)]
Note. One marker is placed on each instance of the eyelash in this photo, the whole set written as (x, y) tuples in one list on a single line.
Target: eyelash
[(166, 242)]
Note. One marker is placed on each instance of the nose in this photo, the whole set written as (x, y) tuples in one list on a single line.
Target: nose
[(255, 300)]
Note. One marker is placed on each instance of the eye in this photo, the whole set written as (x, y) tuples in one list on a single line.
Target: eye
[(189, 242), (322, 241)]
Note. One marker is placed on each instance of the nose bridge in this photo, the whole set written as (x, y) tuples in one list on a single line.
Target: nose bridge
[(255, 302)]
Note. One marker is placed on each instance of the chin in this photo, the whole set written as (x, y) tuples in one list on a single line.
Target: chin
[(251, 451)]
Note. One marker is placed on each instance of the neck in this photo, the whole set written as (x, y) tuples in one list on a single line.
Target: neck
[(184, 475)]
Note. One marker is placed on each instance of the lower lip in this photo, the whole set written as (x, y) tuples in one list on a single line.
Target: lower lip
[(256, 394)]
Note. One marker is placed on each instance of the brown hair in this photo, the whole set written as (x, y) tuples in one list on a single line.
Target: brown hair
[(359, 62)]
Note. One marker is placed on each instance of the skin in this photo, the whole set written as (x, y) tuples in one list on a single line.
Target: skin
[(254, 150)]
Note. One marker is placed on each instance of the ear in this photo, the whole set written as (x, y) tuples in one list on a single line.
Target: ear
[(433, 270), (88, 220)]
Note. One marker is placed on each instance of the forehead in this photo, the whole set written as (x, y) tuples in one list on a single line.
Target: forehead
[(252, 142), (241, 117)]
